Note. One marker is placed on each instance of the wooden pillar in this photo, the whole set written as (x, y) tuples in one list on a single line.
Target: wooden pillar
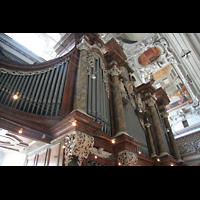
[(171, 137), (80, 95), (157, 129), (153, 151), (117, 102)]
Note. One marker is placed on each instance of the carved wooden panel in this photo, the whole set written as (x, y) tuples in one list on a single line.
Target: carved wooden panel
[(41, 158), (54, 155)]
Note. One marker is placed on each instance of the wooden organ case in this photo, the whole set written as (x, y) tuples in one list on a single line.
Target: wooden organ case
[(45, 106)]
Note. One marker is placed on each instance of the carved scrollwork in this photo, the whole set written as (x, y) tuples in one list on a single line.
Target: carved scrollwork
[(127, 158), (78, 144), (23, 73)]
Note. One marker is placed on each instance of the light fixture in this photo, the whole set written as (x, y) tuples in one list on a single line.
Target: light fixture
[(20, 131), (74, 123), (15, 96), (119, 163), (171, 165), (139, 152), (95, 157), (158, 160), (113, 141)]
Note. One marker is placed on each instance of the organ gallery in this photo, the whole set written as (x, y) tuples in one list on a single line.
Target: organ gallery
[(84, 108)]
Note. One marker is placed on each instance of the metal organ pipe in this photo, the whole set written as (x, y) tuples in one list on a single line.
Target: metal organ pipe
[(39, 93)]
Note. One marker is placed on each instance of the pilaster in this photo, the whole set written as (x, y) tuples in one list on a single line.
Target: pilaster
[(81, 79)]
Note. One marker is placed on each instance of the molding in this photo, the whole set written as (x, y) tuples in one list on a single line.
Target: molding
[(122, 132), (23, 73), (84, 45)]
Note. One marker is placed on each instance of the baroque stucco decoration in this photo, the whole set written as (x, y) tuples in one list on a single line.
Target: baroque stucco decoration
[(78, 144), (127, 158)]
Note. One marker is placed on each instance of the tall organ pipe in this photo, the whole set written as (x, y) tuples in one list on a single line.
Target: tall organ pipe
[(39, 93)]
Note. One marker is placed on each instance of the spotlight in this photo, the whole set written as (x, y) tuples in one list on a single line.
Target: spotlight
[(20, 131), (139, 152), (15, 97), (113, 141), (95, 157), (119, 163), (74, 123), (158, 159)]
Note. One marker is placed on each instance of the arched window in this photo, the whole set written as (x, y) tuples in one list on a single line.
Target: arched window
[(41, 44)]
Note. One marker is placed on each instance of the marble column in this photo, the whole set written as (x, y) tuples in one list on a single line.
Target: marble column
[(117, 102), (153, 151), (80, 96), (157, 129), (171, 137)]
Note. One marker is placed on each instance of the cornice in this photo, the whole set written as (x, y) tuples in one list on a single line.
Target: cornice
[(32, 67)]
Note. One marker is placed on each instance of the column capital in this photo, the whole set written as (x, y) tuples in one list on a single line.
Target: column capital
[(165, 114), (127, 158), (147, 125), (83, 45), (114, 71), (150, 102), (78, 144)]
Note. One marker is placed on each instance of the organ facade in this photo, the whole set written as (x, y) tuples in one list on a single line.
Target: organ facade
[(84, 106)]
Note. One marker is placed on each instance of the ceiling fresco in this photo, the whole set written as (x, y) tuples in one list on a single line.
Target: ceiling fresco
[(149, 56)]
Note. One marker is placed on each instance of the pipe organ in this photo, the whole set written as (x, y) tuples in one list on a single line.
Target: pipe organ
[(108, 121), (98, 105)]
